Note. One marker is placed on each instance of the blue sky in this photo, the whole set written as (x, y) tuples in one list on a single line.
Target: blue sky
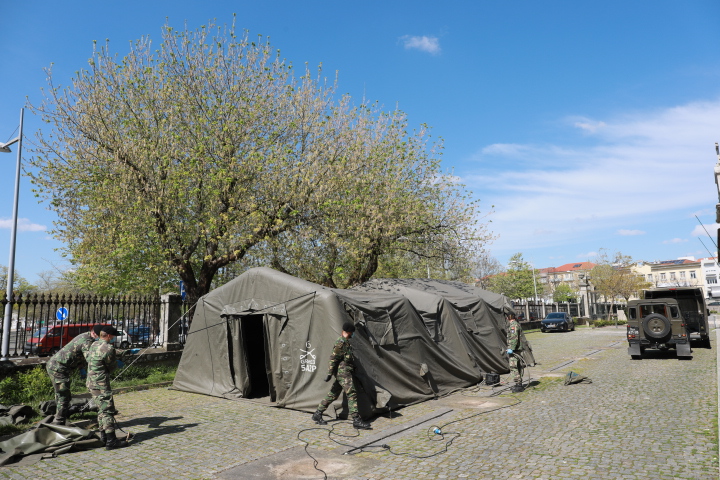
[(586, 125)]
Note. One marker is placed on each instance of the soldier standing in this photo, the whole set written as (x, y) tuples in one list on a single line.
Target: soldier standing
[(513, 349), (101, 361), (61, 365), (342, 365)]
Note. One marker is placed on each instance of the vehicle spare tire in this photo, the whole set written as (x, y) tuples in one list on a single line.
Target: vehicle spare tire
[(656, 326)]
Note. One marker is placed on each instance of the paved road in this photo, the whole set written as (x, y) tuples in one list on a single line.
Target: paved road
[(641, 420)]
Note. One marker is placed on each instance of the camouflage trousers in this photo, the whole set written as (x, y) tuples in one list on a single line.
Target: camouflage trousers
[(61, 384), (516, 369), (343, 383), (103, 398)]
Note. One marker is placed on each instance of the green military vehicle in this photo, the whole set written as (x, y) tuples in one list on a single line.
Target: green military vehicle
[(668, 318)]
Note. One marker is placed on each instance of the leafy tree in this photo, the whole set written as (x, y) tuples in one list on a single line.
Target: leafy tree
[(564, 293), (613, 277), (20, 284), (485, 268), (517, 281), (209, 151)]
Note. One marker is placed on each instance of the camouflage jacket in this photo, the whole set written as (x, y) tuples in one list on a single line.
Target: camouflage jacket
[(101, 361), (71, 355), (342, 358), (513, 335)]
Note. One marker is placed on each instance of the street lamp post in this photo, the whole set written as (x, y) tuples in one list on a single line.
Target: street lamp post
[(13, 233), (717, 205)]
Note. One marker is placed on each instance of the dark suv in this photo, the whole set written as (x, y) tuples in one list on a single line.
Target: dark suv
[(656, 323), (559, 321)]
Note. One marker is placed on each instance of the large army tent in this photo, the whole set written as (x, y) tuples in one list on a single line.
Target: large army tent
[(268, 333), (458, 310)]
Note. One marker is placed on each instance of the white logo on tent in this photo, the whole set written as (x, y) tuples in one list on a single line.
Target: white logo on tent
[(307, 364)]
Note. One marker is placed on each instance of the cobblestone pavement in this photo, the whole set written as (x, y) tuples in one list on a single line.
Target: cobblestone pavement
[(650, 419)]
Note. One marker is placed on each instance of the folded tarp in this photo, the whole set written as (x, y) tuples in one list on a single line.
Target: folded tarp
[(47, 440), (15, 414)]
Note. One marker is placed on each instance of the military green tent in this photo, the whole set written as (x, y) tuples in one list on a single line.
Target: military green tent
[(461, 316), (266, 333)]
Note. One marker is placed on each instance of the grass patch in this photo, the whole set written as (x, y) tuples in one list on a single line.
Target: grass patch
[(33, 387)]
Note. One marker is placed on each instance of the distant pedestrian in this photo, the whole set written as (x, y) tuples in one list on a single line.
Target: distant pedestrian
[(61, 365), (342, 366), (101, 362), (514, 347)]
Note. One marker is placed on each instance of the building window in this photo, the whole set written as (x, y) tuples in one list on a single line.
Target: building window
[(682, 275), (568, 276), (663, 277), (711, 279), (672, 275), (649, 277), (692, 274)]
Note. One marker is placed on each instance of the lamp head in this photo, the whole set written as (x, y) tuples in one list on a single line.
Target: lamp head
[(5, 147)]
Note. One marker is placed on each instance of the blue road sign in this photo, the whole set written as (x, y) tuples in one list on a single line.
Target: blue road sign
[(182, 290), (61, 314)]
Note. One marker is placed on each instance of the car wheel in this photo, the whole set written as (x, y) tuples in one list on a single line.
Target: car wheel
[(124, 344)]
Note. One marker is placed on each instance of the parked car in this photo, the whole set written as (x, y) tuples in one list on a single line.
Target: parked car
[(49, 340), (521, 317), (557, 321), (133, 336)]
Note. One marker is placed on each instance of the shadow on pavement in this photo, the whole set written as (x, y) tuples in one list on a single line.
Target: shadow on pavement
[(157, 429)]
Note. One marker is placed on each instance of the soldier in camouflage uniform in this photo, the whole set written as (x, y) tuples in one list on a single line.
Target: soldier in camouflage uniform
[(513, 349), (60, 366), (101, 362), (342, 365)]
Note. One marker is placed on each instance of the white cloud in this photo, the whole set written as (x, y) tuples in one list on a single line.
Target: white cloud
[(630, 232), (589, 126), (587, 255), (700, 231), (23, 225), (675, 240), (624, 176), (422, 43)]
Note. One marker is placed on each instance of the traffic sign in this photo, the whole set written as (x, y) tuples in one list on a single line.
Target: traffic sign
[(61, 314), (182, 290)]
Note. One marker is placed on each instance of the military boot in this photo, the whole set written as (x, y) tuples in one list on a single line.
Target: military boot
[(113, 442), (58, 420), (517, 388), (60, 416), (318, 418), (103, 436), (360, 424)]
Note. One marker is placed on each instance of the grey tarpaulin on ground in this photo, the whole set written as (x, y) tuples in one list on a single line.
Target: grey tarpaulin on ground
[(573, 378), (267, 332), (15, 414), (48, 440)]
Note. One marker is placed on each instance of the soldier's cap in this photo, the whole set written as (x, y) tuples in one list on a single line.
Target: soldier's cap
[(109, 329), (348, 327), (97, 329)]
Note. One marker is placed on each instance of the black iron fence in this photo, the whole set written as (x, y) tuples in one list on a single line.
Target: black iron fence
[(42, 324)]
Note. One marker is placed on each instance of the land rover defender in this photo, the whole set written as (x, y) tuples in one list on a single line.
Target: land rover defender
[(658, 324), (692, 308), (668, 318)]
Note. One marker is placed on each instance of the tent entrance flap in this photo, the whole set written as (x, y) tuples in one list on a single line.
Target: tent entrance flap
[(254, 341)]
